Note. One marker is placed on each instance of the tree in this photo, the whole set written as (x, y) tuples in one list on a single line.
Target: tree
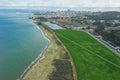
[(100, 27), (88, 27)]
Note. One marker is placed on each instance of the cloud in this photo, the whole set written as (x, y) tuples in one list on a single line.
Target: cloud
[(61, 3)]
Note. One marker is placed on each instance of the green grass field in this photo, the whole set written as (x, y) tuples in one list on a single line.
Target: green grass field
[(92, 60)]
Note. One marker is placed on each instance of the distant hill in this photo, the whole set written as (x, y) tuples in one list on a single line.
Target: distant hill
[(110, 15)]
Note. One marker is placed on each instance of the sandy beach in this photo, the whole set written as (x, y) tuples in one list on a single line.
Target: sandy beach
[(45, 68)]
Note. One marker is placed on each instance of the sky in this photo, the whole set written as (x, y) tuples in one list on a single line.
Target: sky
[(60, 3)]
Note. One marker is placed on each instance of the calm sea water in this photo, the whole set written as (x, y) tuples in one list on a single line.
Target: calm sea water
[(20, 43)]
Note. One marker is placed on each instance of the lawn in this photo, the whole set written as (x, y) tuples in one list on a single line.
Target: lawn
[(92, 60)]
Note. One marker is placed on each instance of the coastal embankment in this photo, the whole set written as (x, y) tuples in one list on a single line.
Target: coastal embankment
[(54, 64)]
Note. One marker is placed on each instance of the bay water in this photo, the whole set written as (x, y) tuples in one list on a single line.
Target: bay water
[(20, 43)]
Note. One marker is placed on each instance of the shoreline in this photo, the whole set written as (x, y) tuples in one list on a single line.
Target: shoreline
[(37, 26), (45, 67), (39, 56), (32, 63), (26, 71)]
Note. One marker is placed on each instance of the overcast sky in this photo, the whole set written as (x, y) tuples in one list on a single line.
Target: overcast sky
[(61, 3)]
